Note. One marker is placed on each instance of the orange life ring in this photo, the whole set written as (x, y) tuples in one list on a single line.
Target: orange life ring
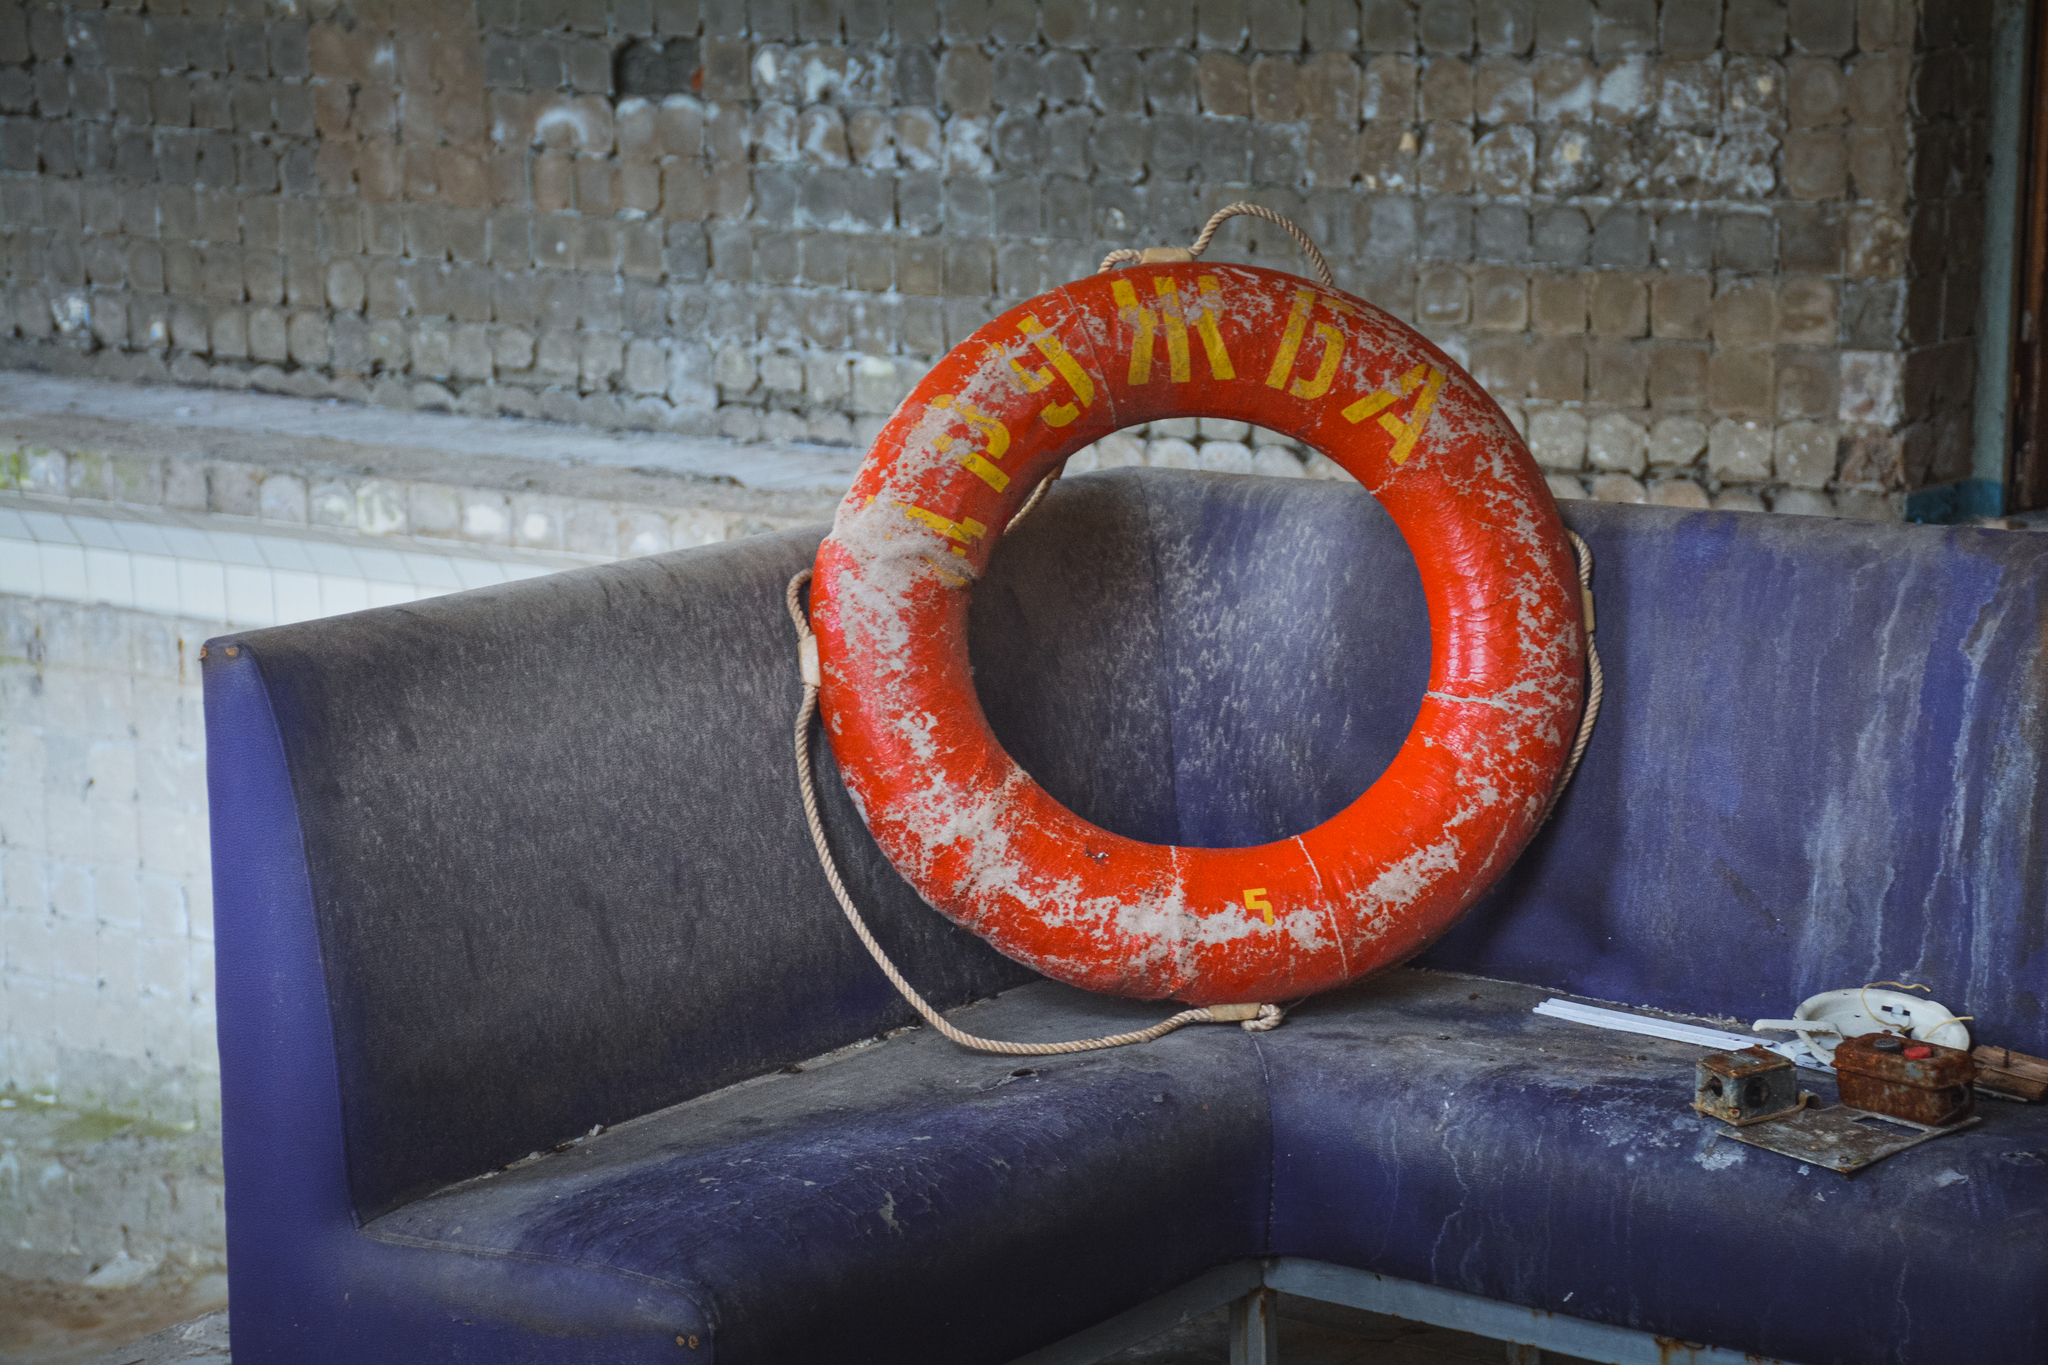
[(984, 844)]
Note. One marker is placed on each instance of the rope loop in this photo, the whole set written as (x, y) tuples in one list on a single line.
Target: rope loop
[(1596, 681), (1262, 1018), (1131, 256)]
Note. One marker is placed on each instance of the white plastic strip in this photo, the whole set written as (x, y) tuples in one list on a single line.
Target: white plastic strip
[(1652, 1027)]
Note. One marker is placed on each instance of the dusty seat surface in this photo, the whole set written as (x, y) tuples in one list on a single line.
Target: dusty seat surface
[(497, 869), (1467, 1142), (905, 1199), (1426, 1125)]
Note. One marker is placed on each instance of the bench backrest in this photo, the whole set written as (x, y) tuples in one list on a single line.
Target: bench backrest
[(1821, 764), (560, 875), (557, 862)]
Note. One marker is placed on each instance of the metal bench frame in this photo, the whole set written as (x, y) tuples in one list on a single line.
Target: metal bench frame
[(1252, 1287)]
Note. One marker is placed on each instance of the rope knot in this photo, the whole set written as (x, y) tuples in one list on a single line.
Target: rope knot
[(1182, 255), (1269, 1018)]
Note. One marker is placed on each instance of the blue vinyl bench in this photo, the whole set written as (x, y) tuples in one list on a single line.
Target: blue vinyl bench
[(542, 1040)]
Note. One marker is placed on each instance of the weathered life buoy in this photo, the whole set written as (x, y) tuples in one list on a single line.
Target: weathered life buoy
[(984, 844)]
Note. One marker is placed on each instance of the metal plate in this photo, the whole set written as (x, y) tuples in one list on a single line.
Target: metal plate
[(1840, 1138)]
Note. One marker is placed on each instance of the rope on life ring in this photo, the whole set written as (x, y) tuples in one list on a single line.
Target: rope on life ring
[(1255, 1017)]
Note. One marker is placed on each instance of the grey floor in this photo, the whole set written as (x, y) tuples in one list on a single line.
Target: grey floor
[(203, 1341), (45, 1322), (1311, 1333)]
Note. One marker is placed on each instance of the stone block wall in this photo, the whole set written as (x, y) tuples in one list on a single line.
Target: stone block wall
[(1705, 251)]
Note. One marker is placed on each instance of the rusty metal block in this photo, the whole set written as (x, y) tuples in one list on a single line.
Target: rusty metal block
[(1923, 1082), (1745, 1087)]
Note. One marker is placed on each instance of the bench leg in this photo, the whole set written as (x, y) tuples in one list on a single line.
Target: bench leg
[(1255, 1329)]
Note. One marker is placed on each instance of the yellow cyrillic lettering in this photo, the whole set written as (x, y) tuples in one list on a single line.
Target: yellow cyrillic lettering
[(1145, 320), (998, 441), (1425, 377), (1176, 328), (966, 530), (1406, 434), (1031, 380), (1058, 414), (1049, 346), (1333, 351), (1290, 338), (1211, 308)]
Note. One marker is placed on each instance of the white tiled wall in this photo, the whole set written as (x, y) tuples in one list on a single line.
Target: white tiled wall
[(231, 569), (106, 918), (104, 880), (106, 904)]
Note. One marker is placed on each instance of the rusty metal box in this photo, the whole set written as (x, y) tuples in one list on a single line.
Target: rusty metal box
[(1743, 1087), (1906, 1079)]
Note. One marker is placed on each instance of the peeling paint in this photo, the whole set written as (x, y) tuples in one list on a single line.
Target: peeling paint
[(983, 843)]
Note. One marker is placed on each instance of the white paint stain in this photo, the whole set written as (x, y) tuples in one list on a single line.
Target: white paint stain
[(1719, 1156)]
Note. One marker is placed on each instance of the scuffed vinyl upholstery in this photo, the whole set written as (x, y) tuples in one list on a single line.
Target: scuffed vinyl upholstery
[(497, 869)]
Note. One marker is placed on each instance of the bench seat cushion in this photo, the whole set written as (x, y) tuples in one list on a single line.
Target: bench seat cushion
[(847, 1212), (1428, 1126)]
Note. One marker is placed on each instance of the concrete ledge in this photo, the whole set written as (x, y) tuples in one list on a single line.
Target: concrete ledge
[(524, 485)]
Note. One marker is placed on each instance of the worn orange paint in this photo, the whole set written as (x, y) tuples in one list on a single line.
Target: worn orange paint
[(989, 848)]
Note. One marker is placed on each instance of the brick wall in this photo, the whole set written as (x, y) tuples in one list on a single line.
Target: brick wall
[(1704, 252)]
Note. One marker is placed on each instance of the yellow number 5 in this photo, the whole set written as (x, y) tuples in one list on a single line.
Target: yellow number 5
[(1255, 899)]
